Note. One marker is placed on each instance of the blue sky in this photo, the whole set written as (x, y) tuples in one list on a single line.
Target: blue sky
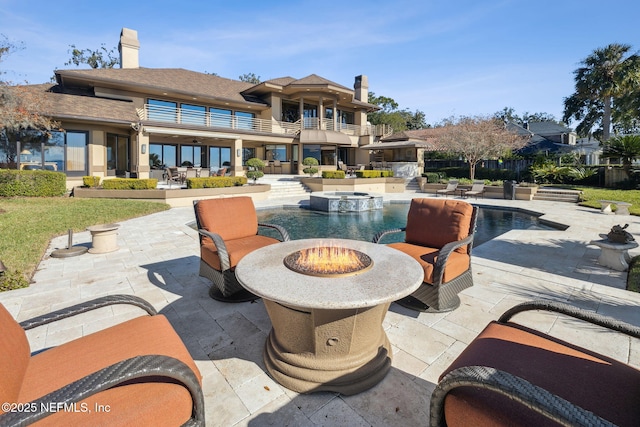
[(445, 58)]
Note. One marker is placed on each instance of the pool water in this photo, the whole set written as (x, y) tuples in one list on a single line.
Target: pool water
[(305, 224)]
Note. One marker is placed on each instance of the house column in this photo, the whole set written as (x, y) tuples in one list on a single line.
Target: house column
[(301, 107), (142, 147), (236, 155), (335, 114), (321, 114)]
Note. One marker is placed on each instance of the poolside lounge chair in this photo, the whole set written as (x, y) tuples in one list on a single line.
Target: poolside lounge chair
[(139, 372), (512, 375), (452, 186), (228, 230), (477, 189), (439, 235)]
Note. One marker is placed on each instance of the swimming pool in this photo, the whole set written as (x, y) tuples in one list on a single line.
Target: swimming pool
[(305, 224)]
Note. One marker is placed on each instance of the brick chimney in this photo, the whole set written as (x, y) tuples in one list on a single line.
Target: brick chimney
[(128, 48)]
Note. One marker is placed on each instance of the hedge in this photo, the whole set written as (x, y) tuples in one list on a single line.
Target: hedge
[(374, 174), (216, 182), (434, 177), (129, 184), (91, 181), (35, 183), (333, 174)]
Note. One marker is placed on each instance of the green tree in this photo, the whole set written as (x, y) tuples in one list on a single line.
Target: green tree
[(99, 58), (478, 138), (603, 78), (20, 112), (250, 78), (508, 114), (389, 114), (623, 147)]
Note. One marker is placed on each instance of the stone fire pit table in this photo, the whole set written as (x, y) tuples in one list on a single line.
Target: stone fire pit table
[(327, 332)]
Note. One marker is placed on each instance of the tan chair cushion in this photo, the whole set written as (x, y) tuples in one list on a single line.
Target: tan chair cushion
[(602, 385), (139, 403), (237, 249), (14, 357), (231, 217), (436, 222), (427, 257)]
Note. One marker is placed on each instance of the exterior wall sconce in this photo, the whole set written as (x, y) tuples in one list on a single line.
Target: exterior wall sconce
[(238, 152), (143, 149)]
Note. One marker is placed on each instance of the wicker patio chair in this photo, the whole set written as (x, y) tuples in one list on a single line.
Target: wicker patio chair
[(228, 231), (452, 186), (512, 375), (439, 235), (135, 373)]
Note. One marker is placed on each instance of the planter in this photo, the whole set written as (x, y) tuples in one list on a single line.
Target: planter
[(374, 185), (103, 238), (176, 197)]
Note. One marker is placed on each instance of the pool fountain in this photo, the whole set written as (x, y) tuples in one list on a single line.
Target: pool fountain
[(345, 201)]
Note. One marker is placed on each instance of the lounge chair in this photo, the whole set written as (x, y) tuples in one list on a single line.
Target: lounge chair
[(135, 373), (477, 189), (513, 375), (452, 186), (221, 172), (228, 230), (439, 235)]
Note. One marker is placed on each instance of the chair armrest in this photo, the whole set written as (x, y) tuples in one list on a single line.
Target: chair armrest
[(443, 256), (515, 388), (381, 234), (88, 306), (109, 377), (223, 253), (569, 310), (283, 232)]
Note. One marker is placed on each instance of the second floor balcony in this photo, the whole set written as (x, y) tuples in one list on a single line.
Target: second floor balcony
[(247, 123)]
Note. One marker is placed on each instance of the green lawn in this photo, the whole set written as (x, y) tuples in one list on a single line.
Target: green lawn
[(28, 224), (591, 197)]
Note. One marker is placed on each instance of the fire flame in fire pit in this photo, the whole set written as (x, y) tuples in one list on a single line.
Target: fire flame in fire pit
[(327, 261)]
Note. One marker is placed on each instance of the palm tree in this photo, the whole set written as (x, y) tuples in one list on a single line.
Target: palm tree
[(600, 80), (624, 147)]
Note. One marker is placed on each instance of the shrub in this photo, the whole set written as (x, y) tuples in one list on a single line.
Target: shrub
[(36, 183), (311, 163), (91, 181), (12, 280), (255, 166), (434, 177), (333, 174), (373, 174), (216, 182), (129, 184)]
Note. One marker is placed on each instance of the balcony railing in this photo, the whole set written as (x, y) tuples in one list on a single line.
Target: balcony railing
[(228, 121)]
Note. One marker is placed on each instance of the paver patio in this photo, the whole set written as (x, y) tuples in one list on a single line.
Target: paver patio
[(158, 260)]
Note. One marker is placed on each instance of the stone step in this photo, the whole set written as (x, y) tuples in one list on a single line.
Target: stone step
[(557, 195)]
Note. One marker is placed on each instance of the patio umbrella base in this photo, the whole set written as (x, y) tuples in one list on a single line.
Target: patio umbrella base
[(69, 252)]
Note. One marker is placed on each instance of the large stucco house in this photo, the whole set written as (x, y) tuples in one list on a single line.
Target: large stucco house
[(134, 121)]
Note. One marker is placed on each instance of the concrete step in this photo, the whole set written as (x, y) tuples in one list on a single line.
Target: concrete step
[(558, 195)]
